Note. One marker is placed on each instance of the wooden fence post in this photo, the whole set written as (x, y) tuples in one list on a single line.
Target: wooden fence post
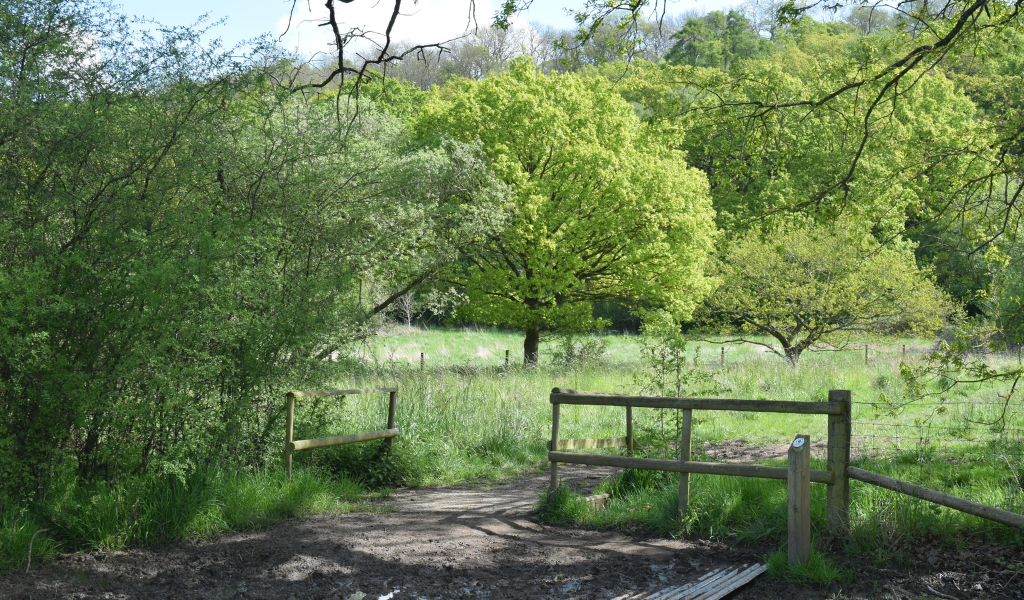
[(723, 356), (837, 498), (392, 402), (289, 435), (629, 430), (554, 448), (421, 361), (798, 486), (684, 456), (506, 359), (865, 354)]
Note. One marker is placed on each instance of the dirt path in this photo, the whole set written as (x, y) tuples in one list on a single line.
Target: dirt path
[(438, 543)]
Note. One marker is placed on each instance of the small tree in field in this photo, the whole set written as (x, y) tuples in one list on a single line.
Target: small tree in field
[(814, 287), (600, 209)]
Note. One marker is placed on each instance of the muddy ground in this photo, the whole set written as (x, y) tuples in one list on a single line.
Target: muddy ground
[(474, 542)]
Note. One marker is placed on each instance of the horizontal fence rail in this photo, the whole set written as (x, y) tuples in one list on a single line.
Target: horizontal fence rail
[(291, 445), (619, 442), (689, 466), (341, 392), (936, 497), (561, 396), (338, 440)]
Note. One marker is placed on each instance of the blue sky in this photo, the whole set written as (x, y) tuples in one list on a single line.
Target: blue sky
[(424, 19)]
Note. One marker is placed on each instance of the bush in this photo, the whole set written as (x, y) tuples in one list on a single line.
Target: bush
[(573, 348), (373, 464)]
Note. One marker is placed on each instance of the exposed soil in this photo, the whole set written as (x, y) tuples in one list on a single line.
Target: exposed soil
[(740, 451), (472, 542)]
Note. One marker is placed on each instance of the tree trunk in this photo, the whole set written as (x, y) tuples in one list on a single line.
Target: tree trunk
[(531, 347), (793, 355)]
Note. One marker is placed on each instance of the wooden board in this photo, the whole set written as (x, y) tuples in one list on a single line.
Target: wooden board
[(340, 392), (342, 439), (619, 442), (711, 586), (677, 466), (563, 396)]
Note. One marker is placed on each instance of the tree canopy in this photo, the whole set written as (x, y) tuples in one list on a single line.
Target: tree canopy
[(600, 210), (716, 40), (810, 287)]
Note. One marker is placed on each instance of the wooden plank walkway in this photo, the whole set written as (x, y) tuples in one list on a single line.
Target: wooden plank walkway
[(711, 586)]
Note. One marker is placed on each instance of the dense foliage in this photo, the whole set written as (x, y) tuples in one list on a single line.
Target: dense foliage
[(182, 242), (600, 209)]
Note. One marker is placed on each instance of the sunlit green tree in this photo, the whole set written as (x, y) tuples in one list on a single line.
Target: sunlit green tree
[(599, 209), (809, 287)]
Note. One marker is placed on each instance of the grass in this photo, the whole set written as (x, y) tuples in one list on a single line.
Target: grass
[(146, 511), (818, 569), (466, 416)]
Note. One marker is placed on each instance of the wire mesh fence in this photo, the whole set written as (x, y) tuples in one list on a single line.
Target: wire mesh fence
[(968, 448)]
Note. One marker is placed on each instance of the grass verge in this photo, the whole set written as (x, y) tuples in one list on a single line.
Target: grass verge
[(145, 511)]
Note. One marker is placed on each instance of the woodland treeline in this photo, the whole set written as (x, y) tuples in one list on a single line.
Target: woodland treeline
[(187, 233)]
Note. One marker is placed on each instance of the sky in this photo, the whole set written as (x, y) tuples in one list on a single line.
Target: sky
[(423, 21)]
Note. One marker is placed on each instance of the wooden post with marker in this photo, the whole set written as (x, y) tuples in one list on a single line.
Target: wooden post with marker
[(798, 483)]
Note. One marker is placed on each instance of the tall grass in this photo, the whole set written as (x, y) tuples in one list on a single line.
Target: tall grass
[(145, 511)]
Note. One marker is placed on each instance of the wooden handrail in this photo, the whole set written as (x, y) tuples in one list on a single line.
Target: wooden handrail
[(677, 466), (313, 393), (919, 491), (561, 396), (338, 440)]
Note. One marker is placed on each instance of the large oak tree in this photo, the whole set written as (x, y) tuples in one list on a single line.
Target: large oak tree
[(600, 209)]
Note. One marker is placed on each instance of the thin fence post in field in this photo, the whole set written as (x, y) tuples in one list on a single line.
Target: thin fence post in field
[(392, 402), (421, 361), (837, 495), (554, 447), (904, 352), (865, 354), (506, 359), (288, 435), (629, 430), (798, 484), (723, 356), (684, 456)]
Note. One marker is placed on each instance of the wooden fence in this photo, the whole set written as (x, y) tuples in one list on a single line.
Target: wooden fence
[(291, 445), (836, 476), (837, 410)]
